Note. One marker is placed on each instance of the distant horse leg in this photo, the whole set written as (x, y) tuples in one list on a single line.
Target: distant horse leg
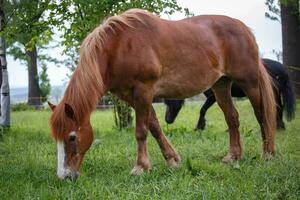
[(279, 109), (142, 99), (208, 103), (166, 148), (222, 90)]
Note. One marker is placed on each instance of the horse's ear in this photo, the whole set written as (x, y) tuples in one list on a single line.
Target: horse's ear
[(52, 106), (69, 111)]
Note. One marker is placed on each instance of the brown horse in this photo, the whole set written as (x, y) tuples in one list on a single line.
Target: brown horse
[(138, 56)]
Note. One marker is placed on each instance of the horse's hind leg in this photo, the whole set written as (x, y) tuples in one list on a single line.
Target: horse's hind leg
[(255, 98), (222, 90), (167, 150), (279, 109), (253, 78)]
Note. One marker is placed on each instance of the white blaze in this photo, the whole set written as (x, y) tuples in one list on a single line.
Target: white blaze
[(61, 171)]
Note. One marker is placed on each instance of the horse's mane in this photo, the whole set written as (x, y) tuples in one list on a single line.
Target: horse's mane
[(86, 85), (114, 24)]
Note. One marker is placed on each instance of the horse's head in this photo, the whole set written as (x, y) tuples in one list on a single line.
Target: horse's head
[(73, 139), (173, 108)]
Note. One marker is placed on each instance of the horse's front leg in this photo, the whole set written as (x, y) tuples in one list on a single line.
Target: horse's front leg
[(142, 99)]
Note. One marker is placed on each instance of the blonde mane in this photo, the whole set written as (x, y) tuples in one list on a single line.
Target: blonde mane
[(114, 23), (86, 85)]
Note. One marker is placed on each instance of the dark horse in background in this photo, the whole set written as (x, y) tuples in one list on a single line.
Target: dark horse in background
[(284, 95)]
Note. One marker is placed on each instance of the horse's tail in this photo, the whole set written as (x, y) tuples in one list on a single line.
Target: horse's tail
[(288, 97), (268, 107)]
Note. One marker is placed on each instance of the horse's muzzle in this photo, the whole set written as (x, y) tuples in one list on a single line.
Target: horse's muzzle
[(168, 117), (169, 120), (69, 175)]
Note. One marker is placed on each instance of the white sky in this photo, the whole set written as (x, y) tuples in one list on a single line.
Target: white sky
[(252, 13)]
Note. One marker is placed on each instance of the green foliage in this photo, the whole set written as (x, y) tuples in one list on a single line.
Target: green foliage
[(274, 8), (28, 160), (44, 83), (27, 25), (122, 113), (20, 107)]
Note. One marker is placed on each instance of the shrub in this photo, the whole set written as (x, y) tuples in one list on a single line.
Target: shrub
[(20, 107)]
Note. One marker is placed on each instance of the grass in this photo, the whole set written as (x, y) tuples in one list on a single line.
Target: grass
[(28, 161)]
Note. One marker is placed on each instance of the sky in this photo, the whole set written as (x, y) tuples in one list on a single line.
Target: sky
[(252, 13)]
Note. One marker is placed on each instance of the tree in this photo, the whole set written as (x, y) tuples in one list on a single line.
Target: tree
[(28, 29), (290, 20), (288, 13), (85, 15), (5, 98)]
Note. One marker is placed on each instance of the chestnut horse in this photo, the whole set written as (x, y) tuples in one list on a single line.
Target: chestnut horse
[(138, 56)]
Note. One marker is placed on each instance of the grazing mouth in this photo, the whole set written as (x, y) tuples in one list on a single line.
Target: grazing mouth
[(66, 174)]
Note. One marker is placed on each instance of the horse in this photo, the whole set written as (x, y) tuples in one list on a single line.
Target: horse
[(138, 56), (284, 97)]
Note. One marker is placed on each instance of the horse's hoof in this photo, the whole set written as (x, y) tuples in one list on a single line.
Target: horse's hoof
[(138, 170), (198, 129), (268, 156), (174, 162), (229, 158), (280, 125)]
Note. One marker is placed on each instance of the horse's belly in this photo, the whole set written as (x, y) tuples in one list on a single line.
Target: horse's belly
[(183, 87), (178, 91)]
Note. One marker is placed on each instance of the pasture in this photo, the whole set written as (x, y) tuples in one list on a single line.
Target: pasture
[(28, 160)]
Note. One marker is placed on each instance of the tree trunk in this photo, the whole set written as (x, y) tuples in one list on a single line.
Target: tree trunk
[(291, 41), (34, 96), (2, 44), (4, 84)]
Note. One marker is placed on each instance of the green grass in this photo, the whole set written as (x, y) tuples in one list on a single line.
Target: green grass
[(28, 161)]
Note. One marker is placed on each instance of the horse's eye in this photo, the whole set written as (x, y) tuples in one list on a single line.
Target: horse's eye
[(72, 138)]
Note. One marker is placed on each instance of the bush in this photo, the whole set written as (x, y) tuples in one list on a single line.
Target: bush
[(20, 107)]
